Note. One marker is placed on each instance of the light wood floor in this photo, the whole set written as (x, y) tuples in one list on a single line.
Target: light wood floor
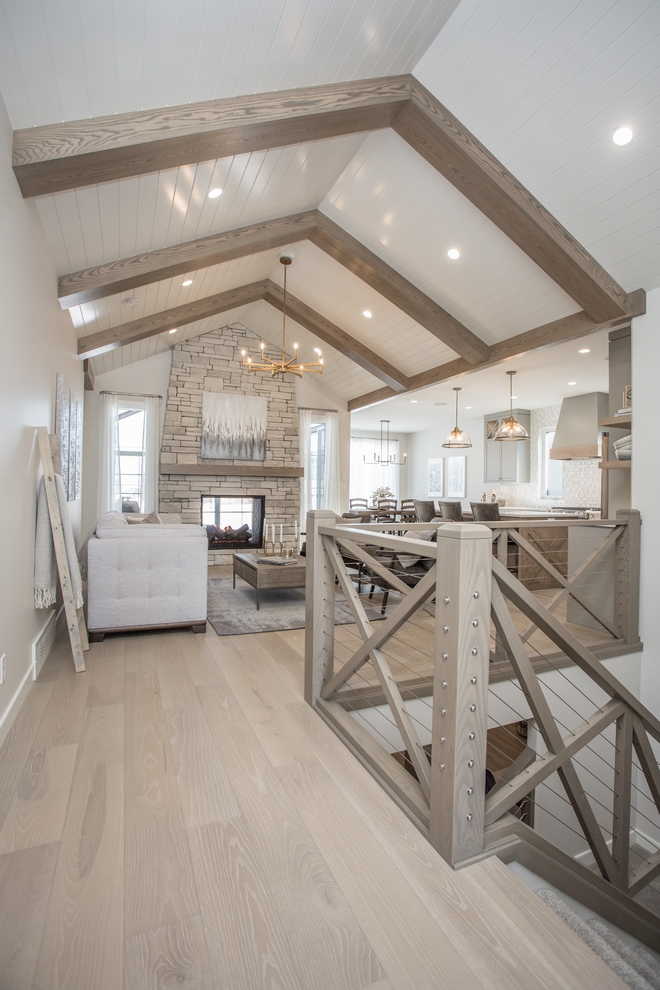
[(176, 816)]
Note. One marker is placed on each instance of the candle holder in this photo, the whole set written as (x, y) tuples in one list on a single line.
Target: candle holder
[(273, 549)]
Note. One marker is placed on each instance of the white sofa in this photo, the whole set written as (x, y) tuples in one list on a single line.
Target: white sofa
[(145, 576)]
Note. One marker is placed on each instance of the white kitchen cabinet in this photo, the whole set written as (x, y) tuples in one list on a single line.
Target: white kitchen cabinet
[(506, 462)]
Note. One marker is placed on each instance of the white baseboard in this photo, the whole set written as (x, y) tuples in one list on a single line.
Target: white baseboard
[(13, 708)]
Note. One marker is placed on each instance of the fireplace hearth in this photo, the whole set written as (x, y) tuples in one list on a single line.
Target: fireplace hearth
[(234, 522)]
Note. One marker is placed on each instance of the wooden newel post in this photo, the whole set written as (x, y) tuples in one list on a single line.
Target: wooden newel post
[(460, 690), (626, 597), (319, 607)]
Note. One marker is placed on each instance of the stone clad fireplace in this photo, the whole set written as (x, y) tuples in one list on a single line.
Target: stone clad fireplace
[(212, 362)]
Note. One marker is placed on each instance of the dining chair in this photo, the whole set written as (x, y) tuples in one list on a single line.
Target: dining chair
[(357, 503), (451, 510), (408, 513), (386, 510), (425, 511), (485, 511)]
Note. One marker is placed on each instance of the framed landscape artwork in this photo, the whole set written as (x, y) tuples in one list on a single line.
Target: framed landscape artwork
[(456, 477), (435, 477), (234, 426)]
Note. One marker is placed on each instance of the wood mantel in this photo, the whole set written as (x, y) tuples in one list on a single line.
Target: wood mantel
[(250, 470)]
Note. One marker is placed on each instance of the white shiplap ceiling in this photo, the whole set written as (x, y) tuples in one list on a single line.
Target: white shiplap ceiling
[(543, 83)]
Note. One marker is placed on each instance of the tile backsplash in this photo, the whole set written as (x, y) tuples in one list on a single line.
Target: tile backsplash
[(580, 478)]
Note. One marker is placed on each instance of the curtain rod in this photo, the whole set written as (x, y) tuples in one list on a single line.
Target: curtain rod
[(133, 395), (312, 409)]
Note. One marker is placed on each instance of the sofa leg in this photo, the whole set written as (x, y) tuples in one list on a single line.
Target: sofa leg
[(96, 637), (199, 627)]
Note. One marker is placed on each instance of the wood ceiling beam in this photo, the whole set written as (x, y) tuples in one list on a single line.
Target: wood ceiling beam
[(441, 139), (105, 280), (337, 338), (558, 331), (67, 155), (148, 326), (359, 260)]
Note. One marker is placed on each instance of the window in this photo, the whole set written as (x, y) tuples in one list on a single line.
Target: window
[(550, 472), (130, 477), (129, 451), (367, 477), (317, 466)]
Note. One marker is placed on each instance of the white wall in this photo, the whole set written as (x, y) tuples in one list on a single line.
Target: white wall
[(428, 444), (399, 475), (311, 393), (645, 487), (151, 376), (38, 340)]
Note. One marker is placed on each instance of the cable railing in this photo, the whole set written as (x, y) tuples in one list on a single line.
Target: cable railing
[(457, 638)]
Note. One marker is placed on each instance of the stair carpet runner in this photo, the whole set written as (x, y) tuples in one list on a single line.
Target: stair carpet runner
[(633, 964)]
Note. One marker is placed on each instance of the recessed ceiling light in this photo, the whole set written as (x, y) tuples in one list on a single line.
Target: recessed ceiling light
[(215, 193), (514, 396), (414, 401), (584, 350), (571, 383), (367, 313), (188, 281), (622, 135), (453, 254), (468, 407), (175, 330)]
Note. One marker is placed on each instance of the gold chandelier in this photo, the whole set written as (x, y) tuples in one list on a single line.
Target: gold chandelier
[(284, 366)]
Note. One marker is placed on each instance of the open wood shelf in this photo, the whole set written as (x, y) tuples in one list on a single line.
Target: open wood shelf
[(623, 422), (615, 465)]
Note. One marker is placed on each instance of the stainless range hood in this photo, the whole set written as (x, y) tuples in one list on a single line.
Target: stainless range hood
[(577, 434)]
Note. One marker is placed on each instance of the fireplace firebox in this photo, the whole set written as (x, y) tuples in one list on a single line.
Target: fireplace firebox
[(234, 522)]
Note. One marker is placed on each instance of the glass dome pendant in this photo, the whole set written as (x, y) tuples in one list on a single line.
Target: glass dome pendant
[(457, 438), (511, 429)]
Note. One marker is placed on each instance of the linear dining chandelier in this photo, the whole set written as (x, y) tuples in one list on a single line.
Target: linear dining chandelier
[(285, 366), (388, 460)]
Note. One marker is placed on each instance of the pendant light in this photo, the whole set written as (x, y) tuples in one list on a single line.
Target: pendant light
[(457, 438), (388, 459), (283, 365), (511, 429)]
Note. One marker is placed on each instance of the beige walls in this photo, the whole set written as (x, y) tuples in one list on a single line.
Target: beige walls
[(36, 341), (149, 376)]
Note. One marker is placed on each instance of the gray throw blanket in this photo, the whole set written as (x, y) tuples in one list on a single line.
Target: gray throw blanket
[(45, 570)]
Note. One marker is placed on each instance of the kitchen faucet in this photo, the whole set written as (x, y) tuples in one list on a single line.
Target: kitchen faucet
[(491, 495)]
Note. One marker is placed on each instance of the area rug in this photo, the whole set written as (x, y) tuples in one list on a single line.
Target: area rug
[(234, 612)]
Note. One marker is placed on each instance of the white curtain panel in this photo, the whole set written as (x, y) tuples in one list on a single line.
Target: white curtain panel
[(109, 495), (331, 465), (366, 477), (305, 426), (151, 446)]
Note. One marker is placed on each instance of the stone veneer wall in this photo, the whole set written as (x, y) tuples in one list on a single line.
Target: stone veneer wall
[(212, 362)]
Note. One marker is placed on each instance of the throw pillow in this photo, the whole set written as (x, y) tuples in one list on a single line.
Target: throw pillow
[(153, 517), (408, 559)]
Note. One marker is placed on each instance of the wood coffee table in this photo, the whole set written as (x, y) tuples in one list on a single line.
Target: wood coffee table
[(260, 575)]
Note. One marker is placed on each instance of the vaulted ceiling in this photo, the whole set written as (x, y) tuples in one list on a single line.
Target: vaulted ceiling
[(541, 85)]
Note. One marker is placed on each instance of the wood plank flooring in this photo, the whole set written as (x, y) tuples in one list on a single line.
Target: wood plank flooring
[(176, 816)]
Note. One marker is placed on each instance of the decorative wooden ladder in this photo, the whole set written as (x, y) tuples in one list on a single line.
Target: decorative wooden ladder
[(75, 620)]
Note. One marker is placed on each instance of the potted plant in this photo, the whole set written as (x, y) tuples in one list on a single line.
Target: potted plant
[(382, 492)]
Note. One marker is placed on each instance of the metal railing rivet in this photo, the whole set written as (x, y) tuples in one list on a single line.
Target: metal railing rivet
[(474, 651), (445, 656), (444, 684), (473, 708), (443, 739), (470, 763), (475, 594), (473, 680), (443, 711), (446, 601), (475, 622), (470, 790), (442, 766), (469, 817), (471, 736), (445, 628)]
